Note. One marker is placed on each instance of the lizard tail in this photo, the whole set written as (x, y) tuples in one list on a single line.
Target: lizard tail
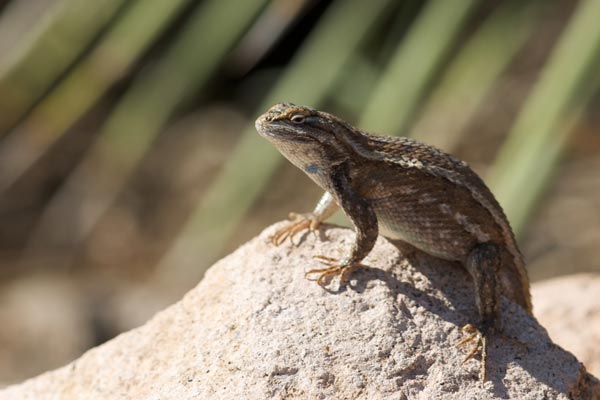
[(515, 272)]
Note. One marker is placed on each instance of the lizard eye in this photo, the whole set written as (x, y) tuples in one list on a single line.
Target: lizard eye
[(297, 118)]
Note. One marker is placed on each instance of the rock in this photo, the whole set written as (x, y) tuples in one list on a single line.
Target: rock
[(255, 328), (568, 307)]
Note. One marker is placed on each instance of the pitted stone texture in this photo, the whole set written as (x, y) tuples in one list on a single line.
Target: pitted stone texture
[(255, 328), (568, 307)]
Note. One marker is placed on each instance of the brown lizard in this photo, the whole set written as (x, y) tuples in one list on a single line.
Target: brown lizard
[(407, 191)]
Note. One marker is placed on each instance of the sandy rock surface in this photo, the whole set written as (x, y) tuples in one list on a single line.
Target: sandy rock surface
[(255, 328), (569, 308)]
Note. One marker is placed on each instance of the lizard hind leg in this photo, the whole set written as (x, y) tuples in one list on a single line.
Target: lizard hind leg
[(483, 264)]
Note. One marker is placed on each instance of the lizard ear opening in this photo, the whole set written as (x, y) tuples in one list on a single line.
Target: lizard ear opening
[(298, 118)]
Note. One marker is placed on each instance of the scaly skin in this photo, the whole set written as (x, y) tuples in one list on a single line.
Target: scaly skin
[(404, 190)]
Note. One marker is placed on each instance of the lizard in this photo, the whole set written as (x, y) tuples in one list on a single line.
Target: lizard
[(409, 192)]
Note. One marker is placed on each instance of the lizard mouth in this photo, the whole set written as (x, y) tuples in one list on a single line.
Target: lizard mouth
[(277, 130), (262, 126)]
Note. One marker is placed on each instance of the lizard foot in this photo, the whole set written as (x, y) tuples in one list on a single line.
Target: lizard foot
[(299, 223), (334, 267), (480, 340)]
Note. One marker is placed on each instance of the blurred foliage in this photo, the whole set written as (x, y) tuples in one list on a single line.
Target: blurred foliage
[(567, 82), (47, 52), (127, 142)]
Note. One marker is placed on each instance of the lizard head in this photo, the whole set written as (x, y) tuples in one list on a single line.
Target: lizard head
[(303, 134)]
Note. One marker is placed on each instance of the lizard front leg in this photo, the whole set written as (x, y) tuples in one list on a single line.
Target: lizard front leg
[(364, 220), (483, 264), (324, 209)]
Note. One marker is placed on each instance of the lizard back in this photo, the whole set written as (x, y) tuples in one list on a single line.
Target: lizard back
[(435, 202)]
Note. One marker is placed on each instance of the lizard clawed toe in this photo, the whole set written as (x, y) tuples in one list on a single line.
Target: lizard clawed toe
[(474, 335), (299, 223), (331, 261), (325, 274), (334, 267), (480, 342)]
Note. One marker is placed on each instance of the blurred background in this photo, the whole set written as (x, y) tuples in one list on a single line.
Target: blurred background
[(129, 162)]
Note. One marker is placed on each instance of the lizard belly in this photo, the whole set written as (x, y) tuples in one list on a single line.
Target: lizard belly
[(432, 232), (427, 241)]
